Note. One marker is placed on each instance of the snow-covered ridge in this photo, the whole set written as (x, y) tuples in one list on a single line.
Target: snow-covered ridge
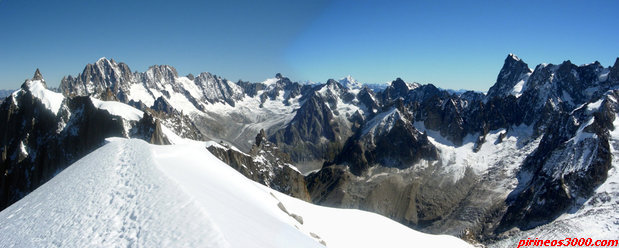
[(51, 100), (513, 56), (129, 193), (270, 81), (119, 109), (382, 123), (223, 146)]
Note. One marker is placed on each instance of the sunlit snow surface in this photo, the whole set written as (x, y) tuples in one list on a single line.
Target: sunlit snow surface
[(132, 194), (50, 99), (506, 154), (119, 109)]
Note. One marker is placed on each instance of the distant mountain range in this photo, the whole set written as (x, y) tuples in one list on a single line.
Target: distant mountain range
[(5, 93), (539, 147)]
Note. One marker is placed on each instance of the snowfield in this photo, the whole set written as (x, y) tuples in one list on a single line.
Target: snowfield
[(129, 193), (119, 109)]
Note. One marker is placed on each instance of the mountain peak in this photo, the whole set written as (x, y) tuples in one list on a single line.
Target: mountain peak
[(37, 75), (399, 83), (614, 71), (513, 72), (103, 61), (567, 62), (331, 81), (350, 82), (513, 57), (398, 88), (513, 61), (162, 71)]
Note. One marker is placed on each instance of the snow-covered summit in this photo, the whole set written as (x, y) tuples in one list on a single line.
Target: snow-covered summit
[(513, 56), (351, 83), (38, 88)]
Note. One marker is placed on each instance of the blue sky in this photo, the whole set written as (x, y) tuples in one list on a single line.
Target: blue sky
[(452, 44)]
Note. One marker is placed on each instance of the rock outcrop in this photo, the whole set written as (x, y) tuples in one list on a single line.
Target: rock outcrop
[(265, 164)]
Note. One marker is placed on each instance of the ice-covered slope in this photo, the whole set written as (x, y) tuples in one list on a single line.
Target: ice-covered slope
[(132, 194)]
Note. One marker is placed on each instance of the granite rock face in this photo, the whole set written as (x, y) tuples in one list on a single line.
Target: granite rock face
[(265, 164)]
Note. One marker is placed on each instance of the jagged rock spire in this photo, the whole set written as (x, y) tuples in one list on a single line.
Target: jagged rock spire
[(260, 137), (614, 71), (513, 70), (37, 75)]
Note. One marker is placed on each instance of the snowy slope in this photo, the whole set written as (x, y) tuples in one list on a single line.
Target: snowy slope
[(356, 228), (132, 194), (119, 109), (506, 154), (382, 123), (50, 99)]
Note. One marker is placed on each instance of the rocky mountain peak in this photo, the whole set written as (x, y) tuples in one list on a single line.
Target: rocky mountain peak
[(614, 71), (565, 68), (279, 76), (37, 75), (399, 84), (102, 60), (162, 72), (566, 64), (332, 82), (97, 77), (513, 62), (333, 85), (514, 73), (398, 88), (513, 57), (203, 76)]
